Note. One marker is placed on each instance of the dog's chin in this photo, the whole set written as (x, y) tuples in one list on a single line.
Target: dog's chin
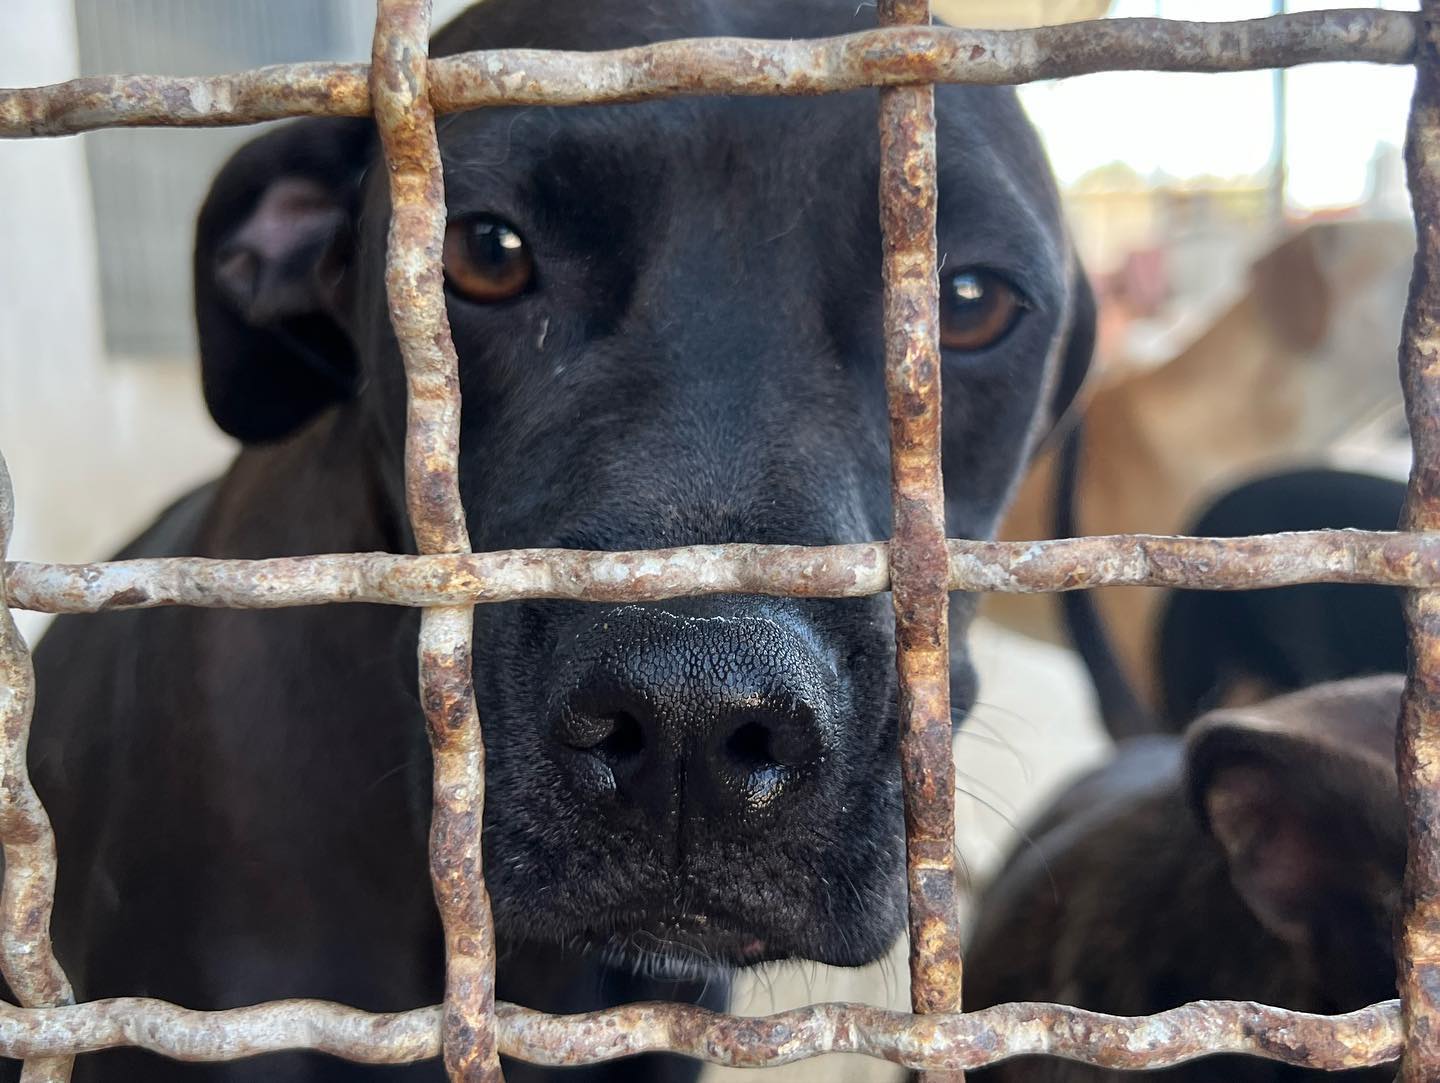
[(685, 943), (692, 945), (683, 948)]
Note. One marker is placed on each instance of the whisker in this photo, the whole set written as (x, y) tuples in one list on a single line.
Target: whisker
[(1004, 817), (1000, 798), (397, 769), (995, 741), (966, 872), (1024, 837), (1009, 713)]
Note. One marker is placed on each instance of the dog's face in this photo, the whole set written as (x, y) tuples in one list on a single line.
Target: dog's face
[(668, 319)]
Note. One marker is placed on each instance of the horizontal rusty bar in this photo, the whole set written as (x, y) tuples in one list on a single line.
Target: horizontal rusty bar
[(886, 57), (837, 571), (1244, 563), (941, 1041), (205, 101)]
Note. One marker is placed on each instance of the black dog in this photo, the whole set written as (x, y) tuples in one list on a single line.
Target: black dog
[(1259, 858), (669, 328), (1220, 648), (1215, 648)]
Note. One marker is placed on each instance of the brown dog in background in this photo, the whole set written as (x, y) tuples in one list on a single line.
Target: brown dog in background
[(1302, 357)]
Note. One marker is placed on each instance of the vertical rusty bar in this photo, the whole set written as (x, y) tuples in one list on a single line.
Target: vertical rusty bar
[(1418, 740), (26, 956), (918, 556), (415, 288)]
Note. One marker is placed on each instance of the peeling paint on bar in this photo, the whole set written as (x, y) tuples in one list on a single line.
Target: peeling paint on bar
[(415, 289), (27, 958), (837, 571), (919, 561), (886, 57), (942, 1042)]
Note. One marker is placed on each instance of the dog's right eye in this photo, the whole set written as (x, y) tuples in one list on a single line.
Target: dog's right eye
[(485, 259), (977, 309)]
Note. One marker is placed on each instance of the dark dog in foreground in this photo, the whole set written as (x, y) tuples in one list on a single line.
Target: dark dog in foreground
[(668, 317), (1258, 859)]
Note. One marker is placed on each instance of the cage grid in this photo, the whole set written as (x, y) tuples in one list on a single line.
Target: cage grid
[(905, 57)]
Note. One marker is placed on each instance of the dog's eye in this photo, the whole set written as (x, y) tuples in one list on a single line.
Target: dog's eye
[(977, 309), (485, 259)]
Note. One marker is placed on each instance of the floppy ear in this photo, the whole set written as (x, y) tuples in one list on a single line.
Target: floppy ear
[(1307, 826), (1290, 288), (1074, 359), (273, 252)]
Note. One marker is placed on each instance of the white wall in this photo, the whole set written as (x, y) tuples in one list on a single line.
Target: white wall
[(94, 446)]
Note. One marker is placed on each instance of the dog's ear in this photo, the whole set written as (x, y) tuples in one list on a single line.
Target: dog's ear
[(273, 252), (1289, 285), (1076, 356), (1308, 819)]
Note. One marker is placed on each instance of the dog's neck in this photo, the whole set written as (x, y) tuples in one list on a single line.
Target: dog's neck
[(280, 499)]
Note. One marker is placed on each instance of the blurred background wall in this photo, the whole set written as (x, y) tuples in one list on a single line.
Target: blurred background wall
[(1176, 186)]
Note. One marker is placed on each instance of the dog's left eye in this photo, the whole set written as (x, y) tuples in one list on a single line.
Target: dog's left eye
[(485, 259), (977, 309)]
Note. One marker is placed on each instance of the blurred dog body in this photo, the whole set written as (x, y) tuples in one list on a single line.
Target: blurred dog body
[(1301, 360), (1259, 858), (1228, 648)]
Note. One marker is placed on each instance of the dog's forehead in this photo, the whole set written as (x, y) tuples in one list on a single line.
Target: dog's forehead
[(592, 25), (760, 157), (992, 168)]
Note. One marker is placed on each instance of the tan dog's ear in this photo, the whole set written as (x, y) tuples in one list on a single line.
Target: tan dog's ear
[(1290, 289)]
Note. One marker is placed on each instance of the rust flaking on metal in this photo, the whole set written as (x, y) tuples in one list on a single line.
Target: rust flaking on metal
[(1418, 741), (835, 571), (415, 289), (28, 893), (882, 57), (404, 90), (919, 560), (939, 1042)]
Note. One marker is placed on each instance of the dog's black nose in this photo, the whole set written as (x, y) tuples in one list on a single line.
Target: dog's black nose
[(697, 716)]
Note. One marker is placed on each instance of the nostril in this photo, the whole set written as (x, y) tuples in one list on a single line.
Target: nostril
[(614, 737), (763, 756), (711, 717), (604, 753), (625, 739), (749, 745)]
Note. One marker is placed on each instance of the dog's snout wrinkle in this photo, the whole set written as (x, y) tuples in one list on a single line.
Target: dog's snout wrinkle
[(692, 719)]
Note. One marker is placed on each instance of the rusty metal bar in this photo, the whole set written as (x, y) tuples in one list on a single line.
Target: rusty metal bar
[(404, 91), (885, 57), (1417, 953), (415, 289), (28, 893), (919, 561), (836, 571), (1362, 1038)]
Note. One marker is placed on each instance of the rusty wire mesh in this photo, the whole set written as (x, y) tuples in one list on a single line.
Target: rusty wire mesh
[(403, 90)]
